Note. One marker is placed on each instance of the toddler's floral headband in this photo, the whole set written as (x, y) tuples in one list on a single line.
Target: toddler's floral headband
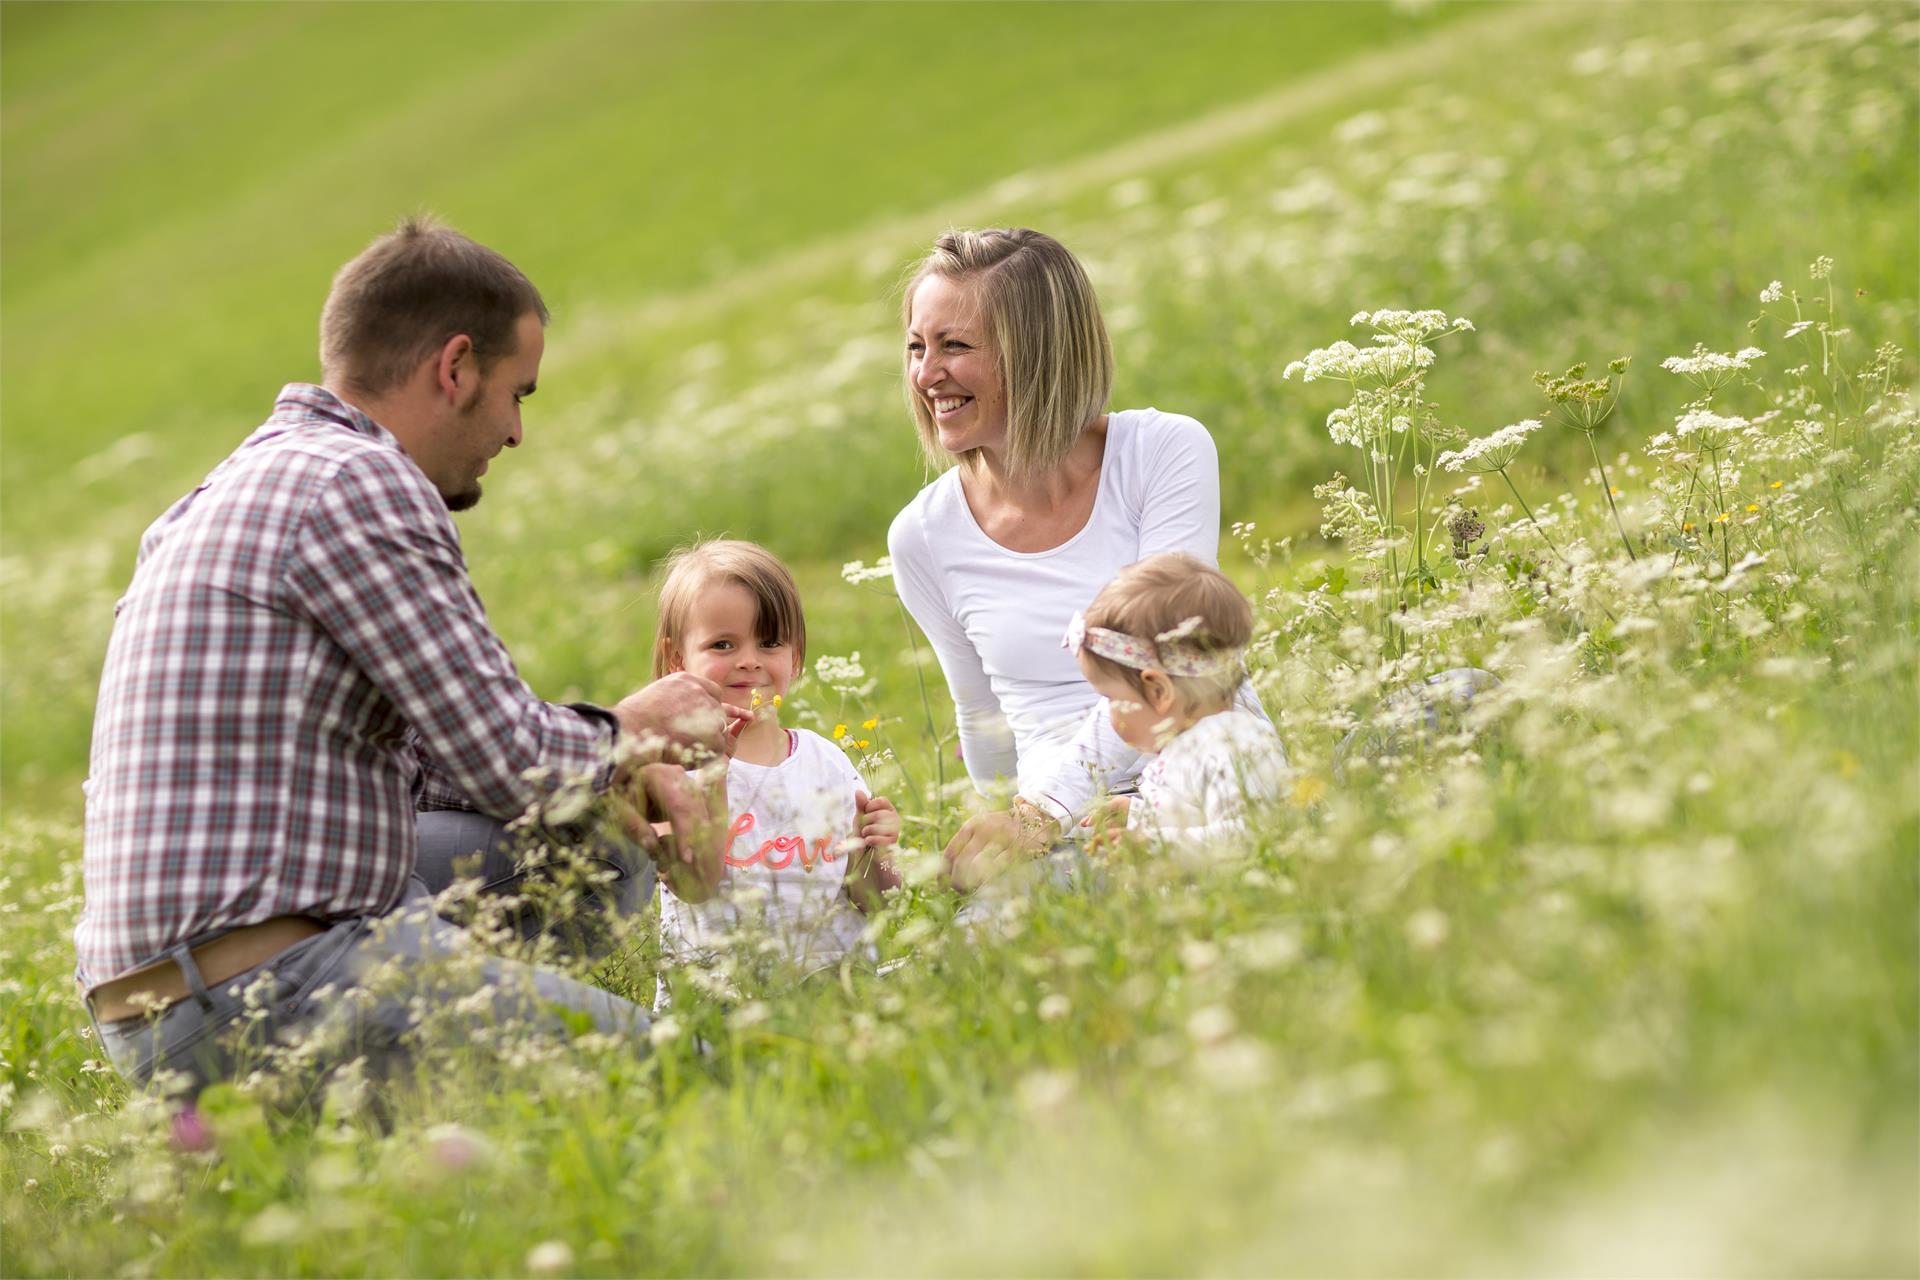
[(1165, 651)]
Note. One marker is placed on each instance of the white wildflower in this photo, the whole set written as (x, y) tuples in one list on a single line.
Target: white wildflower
[(1054, 1007), (1820, 268), (549, 1258), (836, 671), (1771, 293), (1427, 928), (1387, 360), (1045, 1090), (1706, 362), (859, 571), (1705, 429), (1489, 453)]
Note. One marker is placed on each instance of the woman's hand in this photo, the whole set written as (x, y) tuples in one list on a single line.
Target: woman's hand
[(988, 843)]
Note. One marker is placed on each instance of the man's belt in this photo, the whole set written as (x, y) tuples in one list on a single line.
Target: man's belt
[(161, 983)]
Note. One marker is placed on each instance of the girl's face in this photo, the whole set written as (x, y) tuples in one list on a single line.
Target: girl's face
[(1144, 721), (952, 369), (722, 643)]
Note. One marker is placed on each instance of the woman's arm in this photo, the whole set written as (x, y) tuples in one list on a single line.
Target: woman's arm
[(986, 742), (1179, 491)]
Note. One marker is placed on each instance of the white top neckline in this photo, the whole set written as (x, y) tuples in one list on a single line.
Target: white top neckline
[(1093, 513)]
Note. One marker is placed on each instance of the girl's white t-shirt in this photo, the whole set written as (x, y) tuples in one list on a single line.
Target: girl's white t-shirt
[(793, 826), (996, 617)]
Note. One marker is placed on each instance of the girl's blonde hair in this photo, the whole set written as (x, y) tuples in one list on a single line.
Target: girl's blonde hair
[(1043, 326), (777, 614), (1172, 592)]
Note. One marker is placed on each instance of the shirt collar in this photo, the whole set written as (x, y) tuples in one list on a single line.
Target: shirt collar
[(303, 402)]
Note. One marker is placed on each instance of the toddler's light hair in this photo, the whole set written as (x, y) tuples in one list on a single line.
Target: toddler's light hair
[(1161, 594), (778, 617)]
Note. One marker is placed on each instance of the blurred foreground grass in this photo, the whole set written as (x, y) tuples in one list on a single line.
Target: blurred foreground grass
[(1623, 983)]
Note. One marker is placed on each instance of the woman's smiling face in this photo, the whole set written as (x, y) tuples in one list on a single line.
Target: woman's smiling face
[(952, 368)]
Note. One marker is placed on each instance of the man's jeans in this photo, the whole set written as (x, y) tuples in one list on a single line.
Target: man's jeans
[(360, 987), (594, 880)]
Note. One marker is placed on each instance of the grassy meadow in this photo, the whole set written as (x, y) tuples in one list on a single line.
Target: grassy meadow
[(1612, 973)]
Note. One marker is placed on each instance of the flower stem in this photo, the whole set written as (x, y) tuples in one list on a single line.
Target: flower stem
[(1532, 518), (1606, 486)]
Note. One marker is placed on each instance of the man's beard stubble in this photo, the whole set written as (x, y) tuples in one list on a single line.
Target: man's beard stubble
[(465, 500)]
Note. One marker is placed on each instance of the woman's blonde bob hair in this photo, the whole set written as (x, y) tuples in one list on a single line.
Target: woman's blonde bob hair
[(1044, 331), (695, 569)]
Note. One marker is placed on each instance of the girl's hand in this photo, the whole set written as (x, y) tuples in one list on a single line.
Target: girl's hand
[(1108, 823), (879, 820), (870, 872)]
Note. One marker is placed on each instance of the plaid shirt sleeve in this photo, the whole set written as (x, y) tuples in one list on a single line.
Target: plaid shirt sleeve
[(379, 568)]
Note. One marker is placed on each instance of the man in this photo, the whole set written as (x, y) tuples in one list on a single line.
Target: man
[(301, 655)]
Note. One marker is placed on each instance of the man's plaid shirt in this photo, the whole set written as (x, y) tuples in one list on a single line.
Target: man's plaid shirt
[(288, 623)]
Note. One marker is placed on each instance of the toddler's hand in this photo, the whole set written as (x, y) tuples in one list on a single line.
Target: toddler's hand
[(870, 872), (879, 820)]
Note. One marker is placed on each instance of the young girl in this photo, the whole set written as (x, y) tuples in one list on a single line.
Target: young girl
[(1162, 643), (806, 854)]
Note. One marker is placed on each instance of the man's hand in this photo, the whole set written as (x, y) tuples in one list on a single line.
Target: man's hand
[(679, 719), (689, 844), (988, 843)]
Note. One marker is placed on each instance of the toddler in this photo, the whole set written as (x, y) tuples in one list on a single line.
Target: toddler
[(1163, 643), (806, 850)]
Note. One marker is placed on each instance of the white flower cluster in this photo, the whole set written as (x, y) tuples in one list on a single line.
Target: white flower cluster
[(840, 674), (1820, 268), (1386, 361), (1771, 293), (1702, 428), (1411, 326), (1703, 361), (859, 571), (1490, 453)]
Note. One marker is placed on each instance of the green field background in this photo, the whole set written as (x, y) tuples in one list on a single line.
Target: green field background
[(719, 202)]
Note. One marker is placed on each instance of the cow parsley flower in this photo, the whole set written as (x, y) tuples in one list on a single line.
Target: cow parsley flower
[(1705, 362), (1490, 453), (1771, 293)]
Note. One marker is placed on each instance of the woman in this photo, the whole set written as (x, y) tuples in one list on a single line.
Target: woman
[(1008, 370)]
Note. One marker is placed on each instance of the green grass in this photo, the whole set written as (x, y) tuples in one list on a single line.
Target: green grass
[(1624, 984)]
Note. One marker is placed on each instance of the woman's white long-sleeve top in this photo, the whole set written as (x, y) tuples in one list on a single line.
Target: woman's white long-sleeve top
[(996, 617)]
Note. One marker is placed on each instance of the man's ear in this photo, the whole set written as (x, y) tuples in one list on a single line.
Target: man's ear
[(455, 368)]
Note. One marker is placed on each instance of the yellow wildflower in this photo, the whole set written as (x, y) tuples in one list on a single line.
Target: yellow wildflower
[(1753, 506), (863, 744), (1307, 790), (871, 724), (839, 732), (1776, 484), (1616, 491)]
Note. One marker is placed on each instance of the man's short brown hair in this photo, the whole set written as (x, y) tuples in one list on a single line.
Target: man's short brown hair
[(408, 294)]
